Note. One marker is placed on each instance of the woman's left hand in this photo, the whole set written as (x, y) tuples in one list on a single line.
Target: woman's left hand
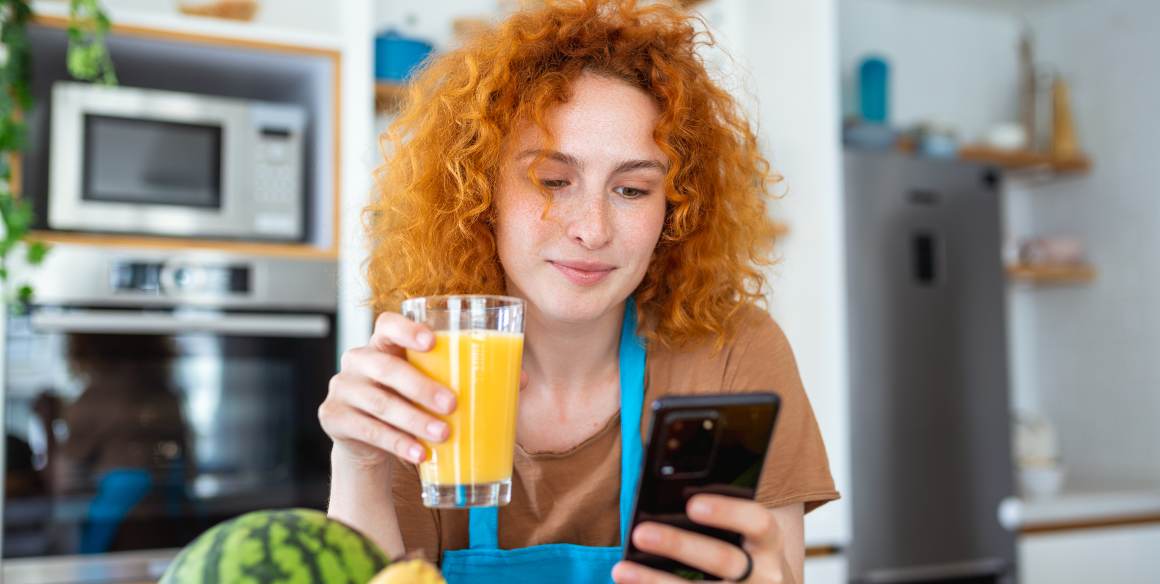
[(762, 540)]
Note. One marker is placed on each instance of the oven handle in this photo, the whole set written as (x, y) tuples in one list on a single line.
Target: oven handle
[(136, 322)]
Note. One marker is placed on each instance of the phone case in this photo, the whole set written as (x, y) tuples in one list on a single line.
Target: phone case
[(700, 444)]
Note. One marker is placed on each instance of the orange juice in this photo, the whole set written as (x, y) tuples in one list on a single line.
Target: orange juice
[(483, 368)]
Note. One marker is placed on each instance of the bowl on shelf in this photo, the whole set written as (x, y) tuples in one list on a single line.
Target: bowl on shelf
[(1041, 481)]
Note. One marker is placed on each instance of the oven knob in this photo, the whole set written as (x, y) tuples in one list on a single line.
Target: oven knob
[(181, 278)]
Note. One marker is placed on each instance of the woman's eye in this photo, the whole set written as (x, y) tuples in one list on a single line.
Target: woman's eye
[(630, 193), (554, 183)]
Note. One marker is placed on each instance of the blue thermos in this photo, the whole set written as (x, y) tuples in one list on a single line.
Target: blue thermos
[(873, 89)]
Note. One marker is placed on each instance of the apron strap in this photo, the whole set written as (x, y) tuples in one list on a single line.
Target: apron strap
[(483, 528), (632, 367), (483, 522)]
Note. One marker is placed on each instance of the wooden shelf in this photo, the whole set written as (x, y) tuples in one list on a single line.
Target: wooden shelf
[(287, 250), (1024, 159), (1051, 275), (389, 96)]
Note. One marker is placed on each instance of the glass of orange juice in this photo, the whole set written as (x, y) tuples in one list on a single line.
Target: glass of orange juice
[(479, 344)]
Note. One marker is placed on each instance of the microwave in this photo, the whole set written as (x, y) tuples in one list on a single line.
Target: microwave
[(144, 161)]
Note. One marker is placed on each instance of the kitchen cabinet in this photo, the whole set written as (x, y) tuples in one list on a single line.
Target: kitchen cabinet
[(325, 71), (825, 570), (1081, 534), (202, 56), (1120, 555)]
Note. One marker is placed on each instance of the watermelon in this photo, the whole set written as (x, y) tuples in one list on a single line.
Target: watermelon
[(286, 545)]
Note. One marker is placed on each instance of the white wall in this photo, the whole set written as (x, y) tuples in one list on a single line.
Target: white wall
[(1093, 348), (791, 51), (949, 63), (791, 97), (359, 157)]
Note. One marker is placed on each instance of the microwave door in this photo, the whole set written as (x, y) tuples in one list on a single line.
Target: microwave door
[(152, 162)]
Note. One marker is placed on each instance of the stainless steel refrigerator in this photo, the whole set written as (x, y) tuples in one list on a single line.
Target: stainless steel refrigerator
[(928, 370)]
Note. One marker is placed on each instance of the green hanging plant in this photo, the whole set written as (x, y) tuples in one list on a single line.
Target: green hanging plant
[(88, 60)]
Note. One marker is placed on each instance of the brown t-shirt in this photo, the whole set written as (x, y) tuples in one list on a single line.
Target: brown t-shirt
[(574, 496)]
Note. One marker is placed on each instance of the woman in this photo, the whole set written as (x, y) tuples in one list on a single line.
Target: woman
[(579, 157)]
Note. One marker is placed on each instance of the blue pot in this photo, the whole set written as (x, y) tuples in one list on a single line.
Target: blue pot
[(397, 56)]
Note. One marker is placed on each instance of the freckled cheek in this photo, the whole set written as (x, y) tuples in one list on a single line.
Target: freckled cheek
[(519, 230), (640, 235)]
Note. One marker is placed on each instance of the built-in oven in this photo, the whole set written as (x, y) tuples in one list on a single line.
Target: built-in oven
[(145, 161), (149, 395)]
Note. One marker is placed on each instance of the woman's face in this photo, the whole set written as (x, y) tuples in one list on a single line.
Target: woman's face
[(606, 175)]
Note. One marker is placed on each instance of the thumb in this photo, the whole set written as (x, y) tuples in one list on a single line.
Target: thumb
[(523, 379)]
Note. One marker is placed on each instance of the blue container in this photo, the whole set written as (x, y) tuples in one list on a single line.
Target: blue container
[(939, 146), (397, 56), (873, 89)]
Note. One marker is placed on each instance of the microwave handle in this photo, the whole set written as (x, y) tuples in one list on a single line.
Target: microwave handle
[(152, 323)]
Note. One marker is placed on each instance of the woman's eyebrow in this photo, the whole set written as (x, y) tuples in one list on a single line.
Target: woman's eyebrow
[(624, 166), (629, 165)]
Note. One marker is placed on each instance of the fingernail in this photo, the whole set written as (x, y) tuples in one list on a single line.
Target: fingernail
[(436, 430), (700, 508), (446, 401), (648, 536), (424, 339), (626, 574), (416, 453)]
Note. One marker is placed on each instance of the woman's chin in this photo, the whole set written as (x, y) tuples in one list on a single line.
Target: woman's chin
[(570, 307)]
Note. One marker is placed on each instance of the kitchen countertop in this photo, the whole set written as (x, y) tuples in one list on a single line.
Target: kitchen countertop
[(1083, 508)]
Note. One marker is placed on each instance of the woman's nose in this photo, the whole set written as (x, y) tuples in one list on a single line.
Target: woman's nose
[(589, 222)]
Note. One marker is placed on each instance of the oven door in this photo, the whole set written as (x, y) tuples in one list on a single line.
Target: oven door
[(139, 428)]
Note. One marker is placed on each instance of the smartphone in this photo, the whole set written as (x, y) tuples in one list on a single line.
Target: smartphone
[(700, 444)]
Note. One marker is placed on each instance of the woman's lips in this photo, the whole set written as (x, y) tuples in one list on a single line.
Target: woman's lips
[(583, 274)]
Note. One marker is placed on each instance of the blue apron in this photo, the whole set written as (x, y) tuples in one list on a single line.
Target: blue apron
[(564, 563)]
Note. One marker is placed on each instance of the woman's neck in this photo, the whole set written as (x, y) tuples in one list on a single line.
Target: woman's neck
[(572, 357)]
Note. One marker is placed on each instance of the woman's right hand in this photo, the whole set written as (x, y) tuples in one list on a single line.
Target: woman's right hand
[(379, 404)]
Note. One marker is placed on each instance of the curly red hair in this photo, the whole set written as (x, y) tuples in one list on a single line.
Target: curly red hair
[(431, 226)]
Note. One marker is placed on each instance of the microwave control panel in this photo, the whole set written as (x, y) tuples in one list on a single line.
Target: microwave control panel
[(278, 192)]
